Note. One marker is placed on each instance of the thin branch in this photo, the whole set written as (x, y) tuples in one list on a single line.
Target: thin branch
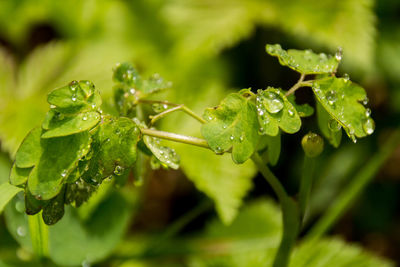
[(176, 137), (175, 108), (300, 83)]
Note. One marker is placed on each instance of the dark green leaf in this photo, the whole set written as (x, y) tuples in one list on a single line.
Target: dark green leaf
[(19, 176), (166, 155), (304, 110), (114, 147), (341, 99), (54, 209), (232, 125), (270, 148), (78, 192), (329, 127), (275, 111), (126, 74), (60, 157), (304, 61), (32, 205), (70, 124), (29, 152)]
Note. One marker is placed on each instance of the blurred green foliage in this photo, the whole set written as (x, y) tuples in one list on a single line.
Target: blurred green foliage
[(199, 45)]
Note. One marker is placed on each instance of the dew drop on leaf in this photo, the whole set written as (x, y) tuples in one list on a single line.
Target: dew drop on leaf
[(367, 112), (331, 97), (291, 112), (231, 137), (73, 85), (84, 118), (19, 206), (118, 170), (346, 77), (365, 101), (369, 126), (334, 125), (64, 173), (273, 103), (21, 231), (339, 54), (73, 98)]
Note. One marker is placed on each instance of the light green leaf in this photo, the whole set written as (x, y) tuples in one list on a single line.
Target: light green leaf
[(29, 152), (275, 110), (341, 99), (304, 61), (154, 84), (329, 127), (166, 155), (19, 176), (7, 192), (60, 156), (70, 124), (232, 125), (304, 110), (114, 148), (225, 183)]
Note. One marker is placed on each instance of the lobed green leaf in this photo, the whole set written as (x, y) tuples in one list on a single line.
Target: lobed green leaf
[(166, 155), (304, 61), (304, 110), (19, 176), (341, 99), (275, 111), (30, 150), (329, 127), (59, 157), (67, 125), (232, 125)]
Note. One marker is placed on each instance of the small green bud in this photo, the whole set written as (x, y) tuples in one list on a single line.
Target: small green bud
[(312, 144)]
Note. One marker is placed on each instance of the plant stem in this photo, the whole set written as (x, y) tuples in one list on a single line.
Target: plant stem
[(175, 108), (176, 137), (306, 184), (353, 190), (290, 214), (300, 83), (39, 235)]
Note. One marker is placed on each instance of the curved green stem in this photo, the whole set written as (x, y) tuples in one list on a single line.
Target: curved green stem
[(290, 214), (39, 235), (176, 137), (306, 184), (353, 190)]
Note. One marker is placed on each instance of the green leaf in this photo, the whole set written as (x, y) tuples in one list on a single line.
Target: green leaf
[(7, 192), (329, 127), (19, 176), (54, 209), (154, 84), (304, 110), (70, 124), (69, 99), (166, 155), (60, 156), (270, 148), (114, 148), (33, 205), (304, 61), (275, 111), (29, 151), (232, 125), (341, 99), (126, 74), (78, 192)]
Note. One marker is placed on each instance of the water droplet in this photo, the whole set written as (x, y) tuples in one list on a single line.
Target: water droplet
[(261, 130), (334, 125), (367, 112), (52, 106), (260, 112), (231, 137), (93, 105), (21, 231), (64, 173), (241, 138), (19, 206), (331, 97), (210, 118), (218, 150), (339, 54), (346, 77), (118, 170), (273, 102), (73, 85), (365, 101), (323, 57), (369, 126), (132, 91), (291, 112), (353, 138), (73, 98), (84, 118)]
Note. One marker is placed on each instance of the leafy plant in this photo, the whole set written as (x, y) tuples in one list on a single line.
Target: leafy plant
[(78, 146)]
